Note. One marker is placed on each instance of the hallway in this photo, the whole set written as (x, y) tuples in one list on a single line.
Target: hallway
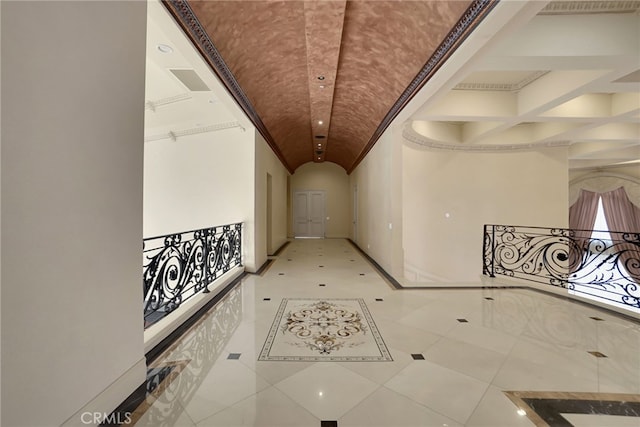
[(476, 345)]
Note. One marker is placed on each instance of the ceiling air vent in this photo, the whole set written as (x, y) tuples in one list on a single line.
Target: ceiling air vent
[(191, 80), (319, 152), (320, 137)]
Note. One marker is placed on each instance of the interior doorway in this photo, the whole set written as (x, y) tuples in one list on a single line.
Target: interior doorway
[(355, 213), (308, 214)]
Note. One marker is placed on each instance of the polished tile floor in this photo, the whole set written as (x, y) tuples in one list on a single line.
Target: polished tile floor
[(456, 355)]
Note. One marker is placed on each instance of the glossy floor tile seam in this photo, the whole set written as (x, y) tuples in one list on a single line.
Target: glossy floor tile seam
[(417, 402), (448, 388)]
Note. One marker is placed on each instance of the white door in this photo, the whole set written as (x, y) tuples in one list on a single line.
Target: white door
[(316, 214), (301, 214), (308, 213)]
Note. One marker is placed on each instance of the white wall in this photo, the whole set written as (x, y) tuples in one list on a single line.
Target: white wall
[(268, 163), (72, 169), (378, 179), (214, 179), (334, 181), (198, 181), (449, 196), (201, 181)]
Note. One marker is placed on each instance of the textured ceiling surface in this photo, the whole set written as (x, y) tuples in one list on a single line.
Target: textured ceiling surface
[(322, 75), (508, 76)]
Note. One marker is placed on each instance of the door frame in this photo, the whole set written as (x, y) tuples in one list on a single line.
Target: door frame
[(309, 214)]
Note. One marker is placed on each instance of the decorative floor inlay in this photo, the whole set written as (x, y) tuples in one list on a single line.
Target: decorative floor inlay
[(545, 409), (332, 330)]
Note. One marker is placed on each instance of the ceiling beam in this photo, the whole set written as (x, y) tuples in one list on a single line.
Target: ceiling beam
[(324, 22)]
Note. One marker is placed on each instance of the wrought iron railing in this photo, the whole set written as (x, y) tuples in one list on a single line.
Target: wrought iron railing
[(606, 269), (178, 266)]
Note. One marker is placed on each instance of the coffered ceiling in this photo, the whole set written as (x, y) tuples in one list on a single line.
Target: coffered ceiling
[(321, 80), (567, 77)]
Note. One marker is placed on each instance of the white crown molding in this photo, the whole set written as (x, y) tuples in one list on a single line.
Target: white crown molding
[(411, 136), (496, 87), (590, 7), (152, 105), (174, 135), (502, 87)]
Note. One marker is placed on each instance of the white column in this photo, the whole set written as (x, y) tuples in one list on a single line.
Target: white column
[(71, 175)]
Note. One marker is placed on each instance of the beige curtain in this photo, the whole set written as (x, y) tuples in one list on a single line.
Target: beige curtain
[(623, 216), (582, 219), (582, 214), (620, 213)]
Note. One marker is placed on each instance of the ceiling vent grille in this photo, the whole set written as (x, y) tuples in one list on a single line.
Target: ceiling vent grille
[(191, 80)]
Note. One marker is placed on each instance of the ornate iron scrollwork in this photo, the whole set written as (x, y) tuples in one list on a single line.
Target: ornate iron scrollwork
[(178, 266), (602, 269)]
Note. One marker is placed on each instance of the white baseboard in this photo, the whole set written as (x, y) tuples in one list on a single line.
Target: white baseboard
[(415, 276)]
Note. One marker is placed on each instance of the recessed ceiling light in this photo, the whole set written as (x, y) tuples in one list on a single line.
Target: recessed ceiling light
[(320, 122), (320, 77), (322, 86), (319, 145), (318, 158), (164, 48)]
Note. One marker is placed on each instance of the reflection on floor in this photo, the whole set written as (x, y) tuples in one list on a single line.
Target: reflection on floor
[(460, 357)]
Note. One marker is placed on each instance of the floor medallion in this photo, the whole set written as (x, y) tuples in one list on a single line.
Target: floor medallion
[(324, 330)]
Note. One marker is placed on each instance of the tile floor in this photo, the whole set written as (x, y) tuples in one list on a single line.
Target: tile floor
[(514, 340)]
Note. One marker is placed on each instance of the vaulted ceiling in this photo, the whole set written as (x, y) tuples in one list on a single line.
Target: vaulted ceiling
[(321, 80), (320, 77)]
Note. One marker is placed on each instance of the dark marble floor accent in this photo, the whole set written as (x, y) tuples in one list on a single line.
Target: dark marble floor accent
[(545, 409)]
